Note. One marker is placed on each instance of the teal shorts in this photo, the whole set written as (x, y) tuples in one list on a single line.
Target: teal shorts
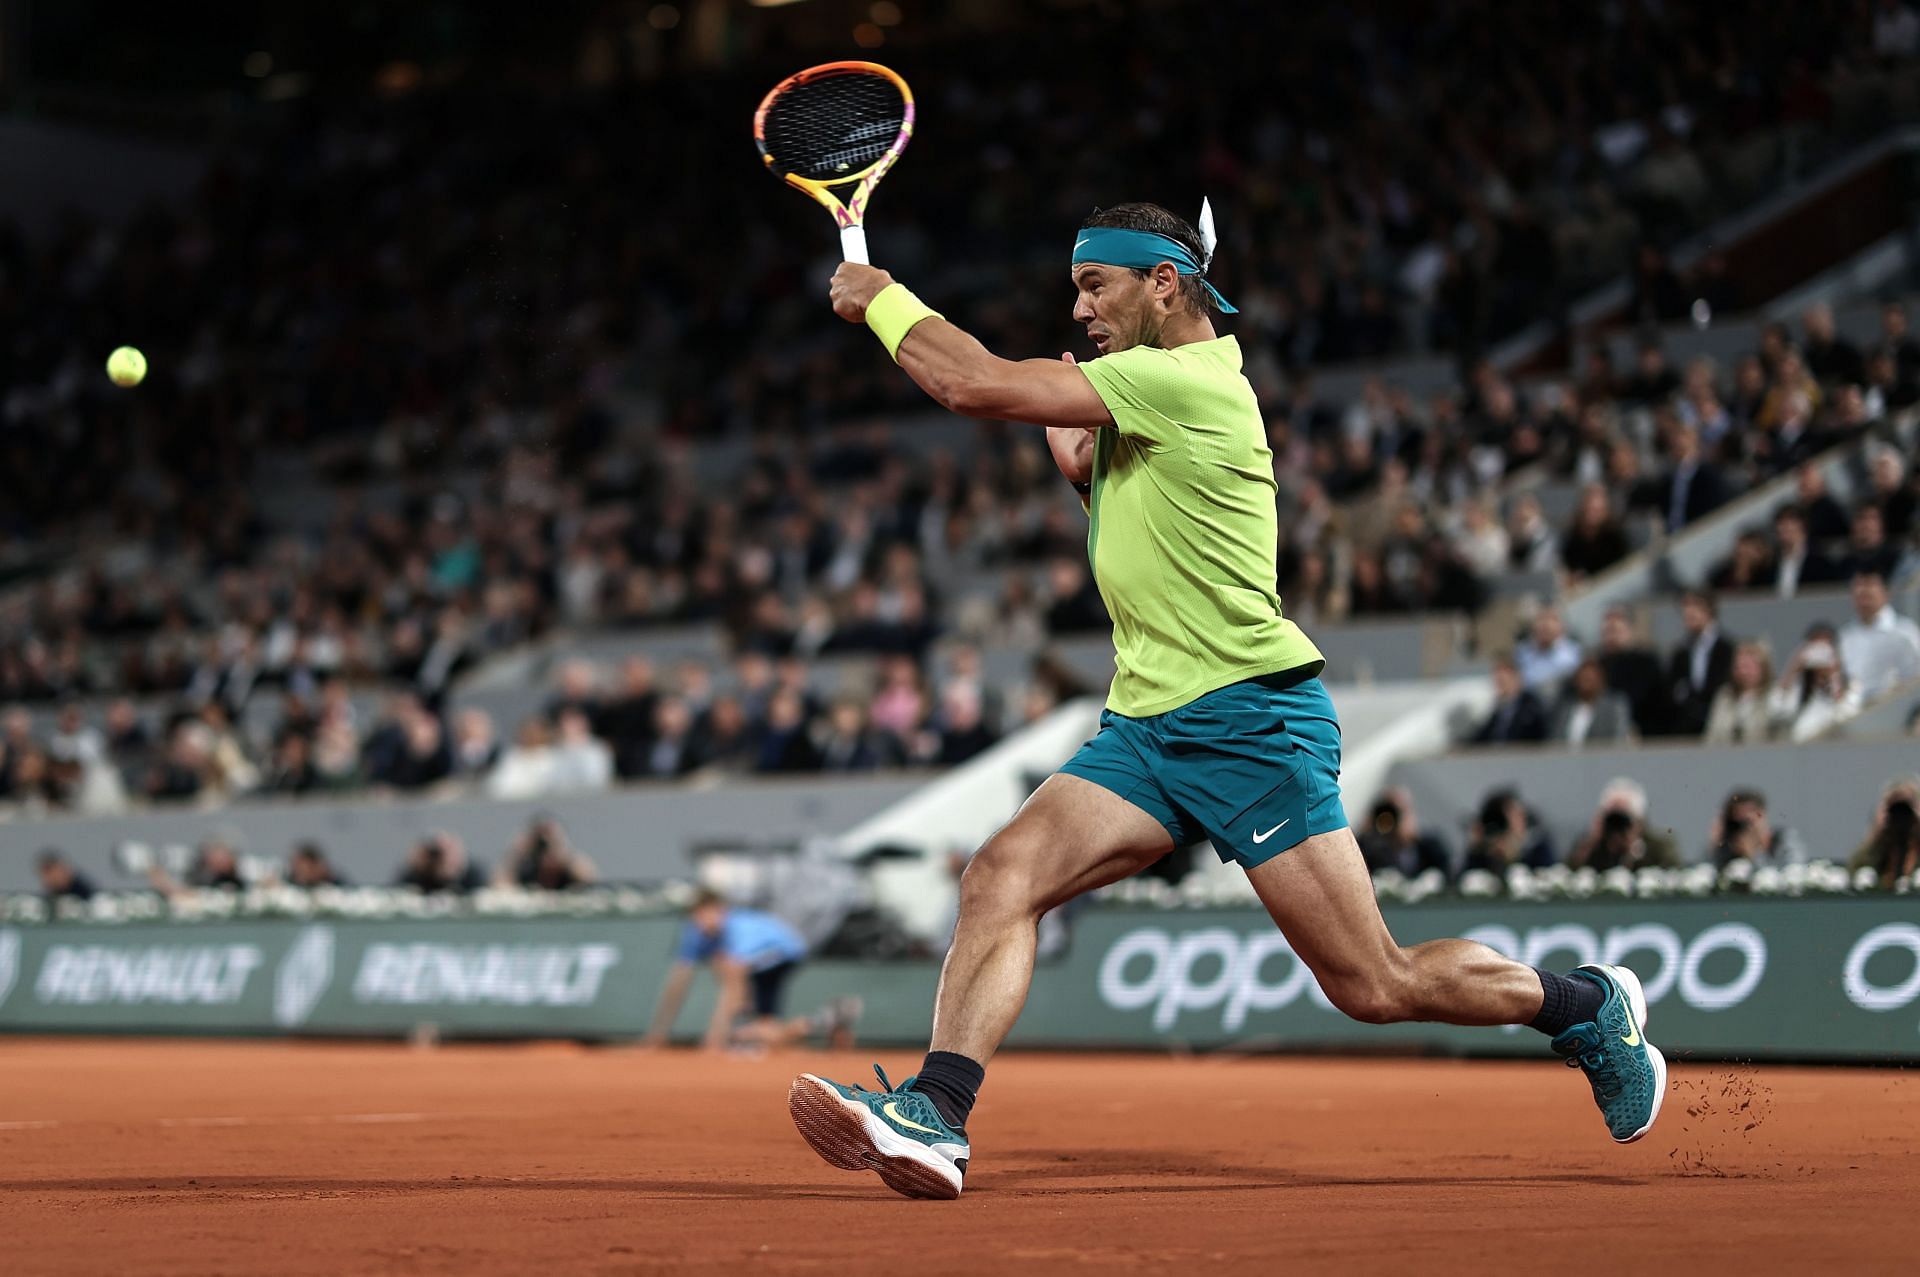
[(1254, 766)]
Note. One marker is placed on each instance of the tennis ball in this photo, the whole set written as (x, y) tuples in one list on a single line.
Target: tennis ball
[(127, 366)]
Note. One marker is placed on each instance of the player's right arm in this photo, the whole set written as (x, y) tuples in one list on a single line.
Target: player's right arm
[(965, 377)]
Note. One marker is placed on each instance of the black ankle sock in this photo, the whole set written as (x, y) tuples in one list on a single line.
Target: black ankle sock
[(952, 1082), (1569, 1000)]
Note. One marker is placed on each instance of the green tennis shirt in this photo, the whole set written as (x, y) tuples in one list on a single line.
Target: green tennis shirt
[(1183, 534)]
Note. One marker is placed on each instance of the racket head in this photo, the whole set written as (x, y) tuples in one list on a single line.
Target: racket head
[(835, 126)]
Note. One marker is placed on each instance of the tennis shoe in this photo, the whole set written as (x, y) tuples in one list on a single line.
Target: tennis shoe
[(895, 1132), (1628, 1073)]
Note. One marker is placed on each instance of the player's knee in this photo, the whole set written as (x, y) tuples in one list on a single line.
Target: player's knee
[(999, 880), (1377, 995)]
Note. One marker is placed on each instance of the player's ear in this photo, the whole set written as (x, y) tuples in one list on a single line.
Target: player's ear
[(1166, 282)]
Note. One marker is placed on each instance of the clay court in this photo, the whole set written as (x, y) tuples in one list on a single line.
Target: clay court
[(233, 1157)]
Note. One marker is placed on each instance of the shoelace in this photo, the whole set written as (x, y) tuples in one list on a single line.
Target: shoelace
[(1607, 1083), (886, 1087)]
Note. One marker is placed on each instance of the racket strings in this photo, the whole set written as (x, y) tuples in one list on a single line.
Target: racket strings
[(834, 127)]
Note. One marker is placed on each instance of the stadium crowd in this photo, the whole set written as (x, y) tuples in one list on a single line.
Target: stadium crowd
[(1743, 836), (510, 438), (1503, 835)]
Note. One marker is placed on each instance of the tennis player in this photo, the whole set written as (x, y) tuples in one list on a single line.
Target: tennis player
[(1216, 724)]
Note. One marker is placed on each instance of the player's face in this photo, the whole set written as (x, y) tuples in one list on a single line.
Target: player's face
[(1116, 306)]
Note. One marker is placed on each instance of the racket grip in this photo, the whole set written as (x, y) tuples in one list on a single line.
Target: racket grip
[(853, 244)]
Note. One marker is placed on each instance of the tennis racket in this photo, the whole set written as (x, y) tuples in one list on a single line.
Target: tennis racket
[(835, 126)]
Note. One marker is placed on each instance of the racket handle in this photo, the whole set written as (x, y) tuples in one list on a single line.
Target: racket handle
[(853, 244)]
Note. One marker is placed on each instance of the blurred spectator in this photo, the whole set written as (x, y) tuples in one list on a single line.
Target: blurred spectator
[(1530, 541), (847, 744), (309, 867), (1879, 648), (185, 770), (1548, 653), (786, 745), (1891, 490), (1590, 711), (1797, 561), (1830, 357), (1653, 380), (1827, 519), (626, 721), (1897, 344), (524, 770), (292, 770), (575, 688), (1619, 837), (961, 725), (476, 748), (1700, 666), (1813, 693), (1693, 486), (1868, 548), (1742, 710), (128, 740), (1506, 833), (1480, 540), (422, 755), (439, 863), (1892, 846), (1595, 541), (1517, 714), (1394, 840), (1633, 670), (1749, 567), (725, 737), (215, 867), (94, 785), (1742, 831), (673, 749), (542, 857), (231, 772), (579, 763), (59, 880)]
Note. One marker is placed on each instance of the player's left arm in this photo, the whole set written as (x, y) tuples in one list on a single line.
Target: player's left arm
[(965, 377)]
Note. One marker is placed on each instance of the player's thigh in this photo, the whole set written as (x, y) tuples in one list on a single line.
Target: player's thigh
[(1071, 836), (1321, 896)]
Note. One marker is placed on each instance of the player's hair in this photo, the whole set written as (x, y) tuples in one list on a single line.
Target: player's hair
[(707, 896), (1158, 221)]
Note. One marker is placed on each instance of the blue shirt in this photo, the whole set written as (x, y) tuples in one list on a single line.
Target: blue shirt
[(755, 940)]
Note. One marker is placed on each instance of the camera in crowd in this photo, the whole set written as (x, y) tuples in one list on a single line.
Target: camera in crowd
[(1494, 817)]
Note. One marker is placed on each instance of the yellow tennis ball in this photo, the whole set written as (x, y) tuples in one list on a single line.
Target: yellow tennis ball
[(127, 366)]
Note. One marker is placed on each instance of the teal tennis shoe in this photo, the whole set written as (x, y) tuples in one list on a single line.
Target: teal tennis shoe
[(895, 1132), (1628, 1073)]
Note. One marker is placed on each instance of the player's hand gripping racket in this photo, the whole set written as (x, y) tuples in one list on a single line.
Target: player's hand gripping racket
[(835, 126)]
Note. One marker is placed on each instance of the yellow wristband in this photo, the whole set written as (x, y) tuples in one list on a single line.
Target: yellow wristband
[(892, 314)]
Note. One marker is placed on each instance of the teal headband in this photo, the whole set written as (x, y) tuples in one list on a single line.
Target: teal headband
[(1141, 250)]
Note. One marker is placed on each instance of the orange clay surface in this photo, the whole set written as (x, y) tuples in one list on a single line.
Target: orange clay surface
[(244, 1157)]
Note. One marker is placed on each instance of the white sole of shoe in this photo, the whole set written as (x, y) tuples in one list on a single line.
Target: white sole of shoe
[(1637, 1004), (850, 1137)]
